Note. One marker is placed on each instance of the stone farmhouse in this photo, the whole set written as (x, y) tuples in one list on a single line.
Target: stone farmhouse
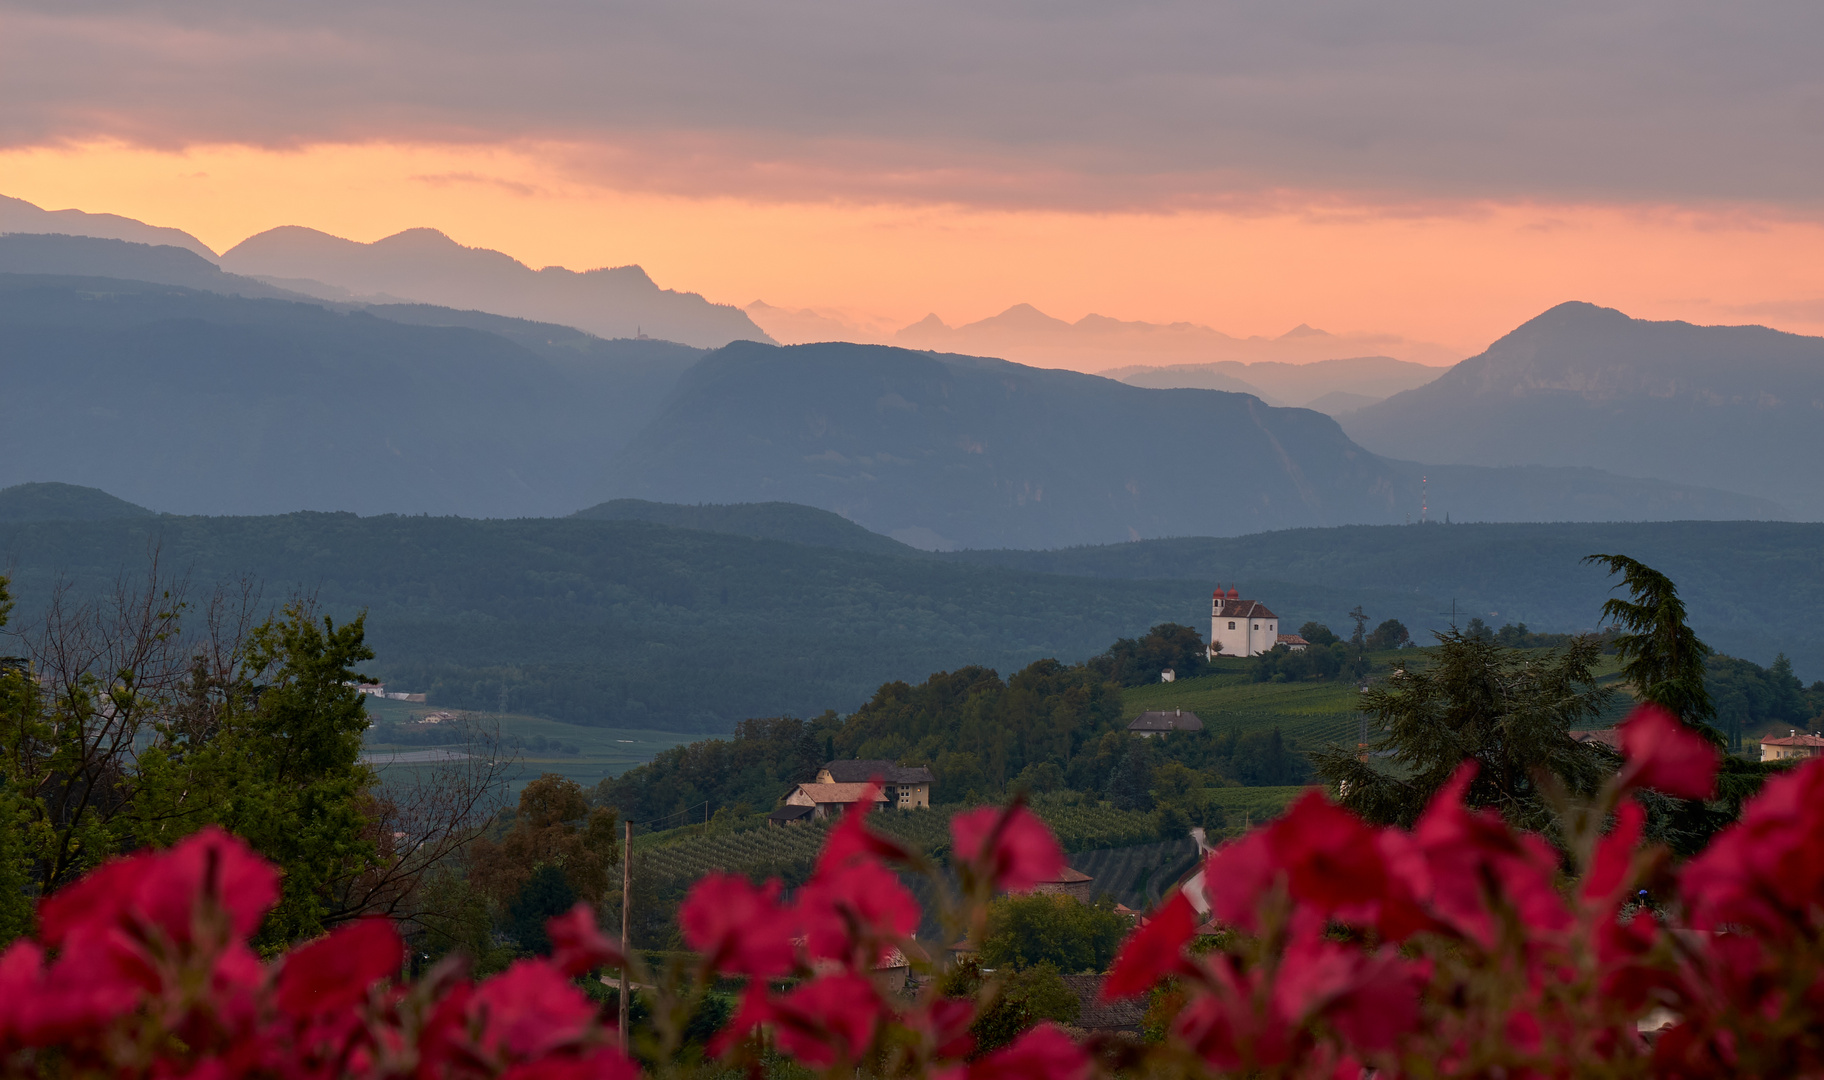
[(841, 784)]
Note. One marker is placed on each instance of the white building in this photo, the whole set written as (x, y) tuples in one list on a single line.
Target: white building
[(1240, 627)]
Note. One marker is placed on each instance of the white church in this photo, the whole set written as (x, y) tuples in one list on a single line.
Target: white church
[(1244, 627)]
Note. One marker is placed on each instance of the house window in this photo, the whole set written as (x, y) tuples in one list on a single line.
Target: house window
[(1231, 624), (1256, 626)]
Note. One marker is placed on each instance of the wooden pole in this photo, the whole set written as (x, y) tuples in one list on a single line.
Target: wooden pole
[(626, 901)]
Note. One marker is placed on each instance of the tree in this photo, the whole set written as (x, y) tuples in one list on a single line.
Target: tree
[(545, 895), (1043, 928), (554, 827), (1507, 712), (1015, 1000), (1130, 787), (1391, 634), (1318, 634), (1132, 662), (1660, 655)]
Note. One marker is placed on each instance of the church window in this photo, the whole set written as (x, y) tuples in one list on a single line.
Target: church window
[(1231, 624)]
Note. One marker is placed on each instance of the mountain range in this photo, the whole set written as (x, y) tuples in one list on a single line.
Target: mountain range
[(1330, 386), (1096, 343), (190, 401), (1738, 407), (953, 451), (425, 266), (416, 266)]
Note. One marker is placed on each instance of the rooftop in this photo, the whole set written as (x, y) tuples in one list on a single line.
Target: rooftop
[(1174, 720), (860, 772), (1794, 740), (840, 793)]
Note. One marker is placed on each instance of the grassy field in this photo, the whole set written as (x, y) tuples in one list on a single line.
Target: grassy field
[(1311, 714)]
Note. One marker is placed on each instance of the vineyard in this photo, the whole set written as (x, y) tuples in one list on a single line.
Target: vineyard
[(683, 855)]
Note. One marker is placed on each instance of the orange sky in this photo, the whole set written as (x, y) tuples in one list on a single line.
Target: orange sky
[(1458, 273)]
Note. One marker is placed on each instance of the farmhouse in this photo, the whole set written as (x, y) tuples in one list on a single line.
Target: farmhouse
[(1240, 627), (1148, 724), (830, 800), (906, 787), (1794, 745)]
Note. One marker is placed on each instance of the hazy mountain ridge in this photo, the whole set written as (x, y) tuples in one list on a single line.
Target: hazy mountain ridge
[(66, 255), (954, 451), (424, 265), (1025, 334), (19, 216), (1740, 407), (63, 502), (200, 402), (787, 522), (1348, 382)]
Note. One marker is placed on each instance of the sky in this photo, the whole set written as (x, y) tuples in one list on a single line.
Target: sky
[(1439, 170)]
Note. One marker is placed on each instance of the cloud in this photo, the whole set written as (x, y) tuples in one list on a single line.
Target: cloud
[(1059, 103)]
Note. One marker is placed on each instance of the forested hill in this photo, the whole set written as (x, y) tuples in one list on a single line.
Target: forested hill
[(619, 623), (762, 521), (636, 624), (1754, 589)]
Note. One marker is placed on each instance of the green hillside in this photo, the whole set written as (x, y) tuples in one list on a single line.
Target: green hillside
[(63, 502), (762, 521)]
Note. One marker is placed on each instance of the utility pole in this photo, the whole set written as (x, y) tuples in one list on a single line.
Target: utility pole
[(626, 902)]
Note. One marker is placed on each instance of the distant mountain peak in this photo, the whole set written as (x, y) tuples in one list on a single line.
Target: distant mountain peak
[(1304, 330)]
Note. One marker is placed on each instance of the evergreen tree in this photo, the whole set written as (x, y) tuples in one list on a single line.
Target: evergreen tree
[(544, 896), (1661, 656), (1507, 712)]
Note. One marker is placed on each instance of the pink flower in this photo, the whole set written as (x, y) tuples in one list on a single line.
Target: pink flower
[(1340, 865), (1012, 847), (1153, 951), (603, 1064), (1237, 875), (851, 839), (1608, 875), (577, 944), (334, 972), (1476, 862), (838, 908), (1664, 755), (1767, 870), (829, 1019), (738, 928), (162, 889), (1044, 1053), (530, 1009)]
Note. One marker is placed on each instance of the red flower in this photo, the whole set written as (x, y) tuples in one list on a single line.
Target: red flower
[(604, 1064), (1767, 870), (1608, 874), (1237, 875), (945, 1024), (1012, 847), (1666, 756), (851, 839), (334, 972), (1475, 861), (829, 1019), (577, 944), (1154, 951), (738, 928), (1340, 865), (840, 907), (530, 1009), (1044, 1053), (161, 889)]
